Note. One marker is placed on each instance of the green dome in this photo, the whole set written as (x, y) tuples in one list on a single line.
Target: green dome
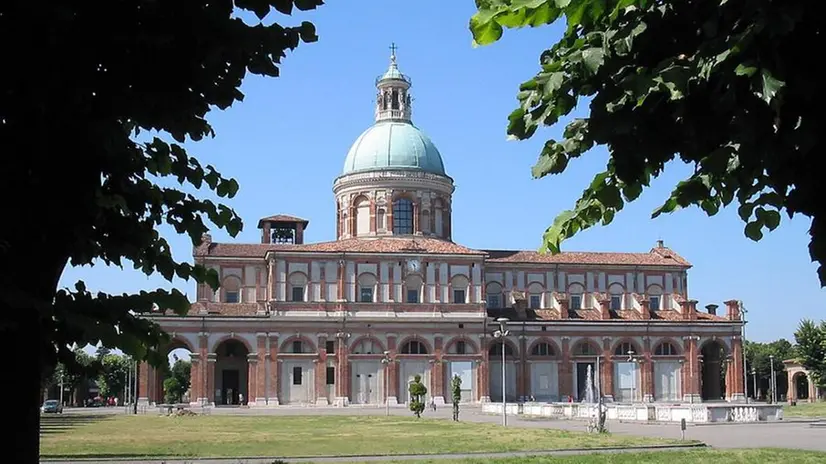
[(393, 144)]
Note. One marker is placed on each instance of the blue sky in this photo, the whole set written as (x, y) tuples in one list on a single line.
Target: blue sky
[(287, 142)]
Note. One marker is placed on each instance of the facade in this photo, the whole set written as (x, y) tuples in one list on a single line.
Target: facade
[(351, 321)]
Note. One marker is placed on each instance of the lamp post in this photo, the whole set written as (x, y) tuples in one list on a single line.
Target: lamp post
[(501, 334), (754, 381), (772, 384), (636, 361), (386, 361)]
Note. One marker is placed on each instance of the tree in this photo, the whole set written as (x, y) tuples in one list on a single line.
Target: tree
[(112, 378), (725, 86), (758, 358), (82, 81), (811, 350), (178, 381), (417, 393), (456, 394)]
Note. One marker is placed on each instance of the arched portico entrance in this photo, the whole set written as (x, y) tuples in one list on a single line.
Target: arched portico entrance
[(801, 386), (177, 351), (712, 368), (495, 362), (231, 373)]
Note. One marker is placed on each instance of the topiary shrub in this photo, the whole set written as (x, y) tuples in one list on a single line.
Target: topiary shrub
[(456, 394), (417, 393)]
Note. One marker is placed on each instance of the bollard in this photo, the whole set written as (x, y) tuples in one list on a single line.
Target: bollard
[(682, 429)]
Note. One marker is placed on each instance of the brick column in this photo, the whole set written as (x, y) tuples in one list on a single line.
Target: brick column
[(437, 379), (143, 383), (373, 225), (736, 369), (483, 373), (262, 359), (607, 374), (210, 382), (252, 379), (564, 375), (647, 372), (393, 371), (321, 370), (691, 372), (342, 372), (203, 376), (272, 370), (195, 385), (416, 222), (521, 370)]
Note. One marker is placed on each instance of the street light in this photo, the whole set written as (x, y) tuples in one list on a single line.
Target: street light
[(754, 381), (636, 361), (743, 313), (501, 334), (386, 361), (772, 384)]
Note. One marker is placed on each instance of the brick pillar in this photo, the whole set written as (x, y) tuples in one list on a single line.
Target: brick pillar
[(252, 378), (647, 372), (143, 383), (607, 374), (272, 368), (321, 371), (565, 375), (195, 385), (203, 375), (210, 382), (437, 379), (691, 372), (645, 308), (342, 372), (521, 370), (736, 369), (373, 225), (261, 374), (483, 373), (563, 307), (393, 370)]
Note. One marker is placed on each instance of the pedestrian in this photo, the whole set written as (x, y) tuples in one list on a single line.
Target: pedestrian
[(432, 404)]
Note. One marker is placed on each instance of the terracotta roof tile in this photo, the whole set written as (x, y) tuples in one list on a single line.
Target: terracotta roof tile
[(423, 245), (656, 257), (223, 309)]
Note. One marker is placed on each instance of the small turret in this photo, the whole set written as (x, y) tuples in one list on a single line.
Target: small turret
[(393, 101), (283, 229)]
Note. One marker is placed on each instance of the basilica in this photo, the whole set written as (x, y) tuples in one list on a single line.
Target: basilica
[(350, 322)]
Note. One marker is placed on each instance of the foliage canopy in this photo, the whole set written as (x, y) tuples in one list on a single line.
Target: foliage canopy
[(81, 81), (726, 86)]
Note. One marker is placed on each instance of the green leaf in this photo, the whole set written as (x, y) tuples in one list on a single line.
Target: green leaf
[(670, 205), (484, 28), (593, 59), (753, 230), (771, 86), (743, 69)]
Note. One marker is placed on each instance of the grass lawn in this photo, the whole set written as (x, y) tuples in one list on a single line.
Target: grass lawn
[(806, 410), (289, 436), (761, 456)]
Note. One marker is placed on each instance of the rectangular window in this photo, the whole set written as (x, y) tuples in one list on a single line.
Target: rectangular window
[(616, 302), (366, 295), (412, 296), (654, 303), (536, 301), (298, 294), (459, 296), (331, 375), (297, 375), (576, 302), (232, 297), (493, 301), (297, 346), (460, 347), (331, 347)]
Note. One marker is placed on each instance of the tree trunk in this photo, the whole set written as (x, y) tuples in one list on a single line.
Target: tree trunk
[(28, 281)]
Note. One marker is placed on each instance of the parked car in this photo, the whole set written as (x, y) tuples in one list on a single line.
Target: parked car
[(50, 406)]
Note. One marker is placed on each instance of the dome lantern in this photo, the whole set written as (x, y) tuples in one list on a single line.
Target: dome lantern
[(393, 100)]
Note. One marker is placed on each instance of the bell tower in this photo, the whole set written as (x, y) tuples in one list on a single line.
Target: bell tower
[(393, 100)]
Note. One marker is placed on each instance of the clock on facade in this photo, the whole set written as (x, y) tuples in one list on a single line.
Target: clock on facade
[(413, 265)]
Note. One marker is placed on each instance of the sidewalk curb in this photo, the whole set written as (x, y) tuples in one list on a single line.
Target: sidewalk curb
[(492, 454)]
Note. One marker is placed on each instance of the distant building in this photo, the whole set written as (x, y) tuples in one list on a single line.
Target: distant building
[(309, 323)]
